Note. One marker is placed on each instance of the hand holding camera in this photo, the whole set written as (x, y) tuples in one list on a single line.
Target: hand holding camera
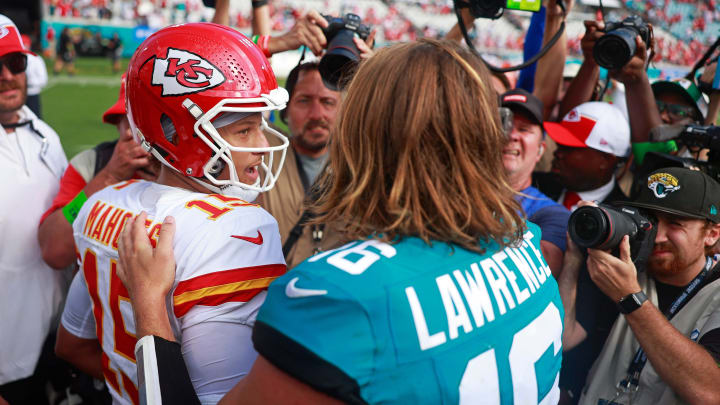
[(615, 276), (615, 238), (634, 70), (593, 31), (343, 52), (604, 227), (615, 49), (307, 31)]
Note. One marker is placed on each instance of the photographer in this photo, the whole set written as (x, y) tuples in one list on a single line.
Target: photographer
[(670, 311), (642, 111), (310, 116)]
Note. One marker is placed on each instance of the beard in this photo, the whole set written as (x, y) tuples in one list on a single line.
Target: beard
[(305, 140), (12, 105), (668, 264), (675, 263)]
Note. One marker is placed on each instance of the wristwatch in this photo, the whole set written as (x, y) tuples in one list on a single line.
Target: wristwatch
[(631, 302)]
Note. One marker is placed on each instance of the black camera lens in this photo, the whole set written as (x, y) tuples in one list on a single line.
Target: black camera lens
[(341, 56), (615, 49), (588, 226), (600, 227)]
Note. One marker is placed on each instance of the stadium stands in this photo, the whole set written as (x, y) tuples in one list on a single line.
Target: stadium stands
[(683, 28)]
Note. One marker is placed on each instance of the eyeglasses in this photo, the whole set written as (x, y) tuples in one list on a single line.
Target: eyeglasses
[(15, 62), (676, 110), (506, 120)]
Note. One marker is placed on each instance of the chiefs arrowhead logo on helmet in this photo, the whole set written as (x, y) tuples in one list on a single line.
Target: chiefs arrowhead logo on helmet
[(184, 72)]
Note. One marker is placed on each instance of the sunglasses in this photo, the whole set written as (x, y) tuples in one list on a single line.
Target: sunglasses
[(676, 110), (15, 62)]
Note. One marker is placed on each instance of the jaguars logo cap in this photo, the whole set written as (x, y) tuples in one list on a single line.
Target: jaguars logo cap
[(680, 191)]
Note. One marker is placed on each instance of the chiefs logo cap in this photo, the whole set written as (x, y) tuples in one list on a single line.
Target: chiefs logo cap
[(10, 39), (597, 125)]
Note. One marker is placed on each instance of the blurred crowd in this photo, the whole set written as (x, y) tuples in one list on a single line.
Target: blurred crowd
[(691, 25)]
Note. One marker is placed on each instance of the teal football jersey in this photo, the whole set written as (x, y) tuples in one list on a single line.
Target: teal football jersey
[(411, 323)]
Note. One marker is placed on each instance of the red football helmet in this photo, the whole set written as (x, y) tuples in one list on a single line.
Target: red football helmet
[(185, 76)]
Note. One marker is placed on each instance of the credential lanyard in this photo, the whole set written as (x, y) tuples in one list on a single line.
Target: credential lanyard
[(630, 383)]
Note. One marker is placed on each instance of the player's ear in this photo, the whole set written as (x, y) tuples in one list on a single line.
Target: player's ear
[(712, 236)]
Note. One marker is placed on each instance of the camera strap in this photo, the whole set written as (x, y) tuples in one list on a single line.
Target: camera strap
[(630, 384)]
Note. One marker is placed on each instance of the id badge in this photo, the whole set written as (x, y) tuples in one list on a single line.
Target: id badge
[(607, 402)]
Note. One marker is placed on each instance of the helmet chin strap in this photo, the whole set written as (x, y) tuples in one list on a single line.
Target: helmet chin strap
[(231, 190)]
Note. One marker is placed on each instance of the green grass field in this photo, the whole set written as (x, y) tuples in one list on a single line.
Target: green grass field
[(73, 105)]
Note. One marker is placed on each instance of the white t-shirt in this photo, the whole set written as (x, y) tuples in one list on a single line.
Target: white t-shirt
[(32, 164), (36, 73), (227, 252)]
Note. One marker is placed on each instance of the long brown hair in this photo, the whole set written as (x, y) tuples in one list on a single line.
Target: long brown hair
[(417, 151)]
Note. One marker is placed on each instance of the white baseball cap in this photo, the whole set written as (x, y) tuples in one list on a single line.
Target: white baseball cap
[(597, 125), (10, 40)]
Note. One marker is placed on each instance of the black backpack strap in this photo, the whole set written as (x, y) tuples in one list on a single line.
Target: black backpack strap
[(311, 195), (296, 232)]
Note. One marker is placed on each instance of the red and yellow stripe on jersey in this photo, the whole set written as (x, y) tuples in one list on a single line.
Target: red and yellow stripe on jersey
[(236, 285)]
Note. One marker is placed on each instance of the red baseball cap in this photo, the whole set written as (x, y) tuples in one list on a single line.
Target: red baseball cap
[(597, 125), (114, 114), (10, 39)]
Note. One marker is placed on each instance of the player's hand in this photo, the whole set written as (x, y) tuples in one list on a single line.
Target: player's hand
[(633, 71), (553, 10), (709, 73), (308, 31), (365, 47), (573, 257), (127, 158), (593, 31), (616, 277), (3, 401), (148, 273)]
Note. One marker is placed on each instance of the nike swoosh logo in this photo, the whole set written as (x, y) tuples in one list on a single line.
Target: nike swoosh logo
[(297, 292), (258, 240)]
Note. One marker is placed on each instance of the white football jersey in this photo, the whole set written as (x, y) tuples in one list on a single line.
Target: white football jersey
[(227, 252)]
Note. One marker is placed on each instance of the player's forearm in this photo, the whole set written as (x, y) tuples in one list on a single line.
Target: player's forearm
[(261, 20), (713, 109), (642, 111), (222, 12), (550, 67), (681, 363), (553, 256), (151, 317), (581, 88), (573, 332), (85, 354), (455, 34), (55, 236)]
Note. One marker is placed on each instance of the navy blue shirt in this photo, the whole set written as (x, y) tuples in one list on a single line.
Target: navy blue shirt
[(551, 217)]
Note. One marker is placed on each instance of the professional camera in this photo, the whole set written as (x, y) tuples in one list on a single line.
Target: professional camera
[(615, 49), (694, 138), (604, 226), (494, 8), (342, 55)]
